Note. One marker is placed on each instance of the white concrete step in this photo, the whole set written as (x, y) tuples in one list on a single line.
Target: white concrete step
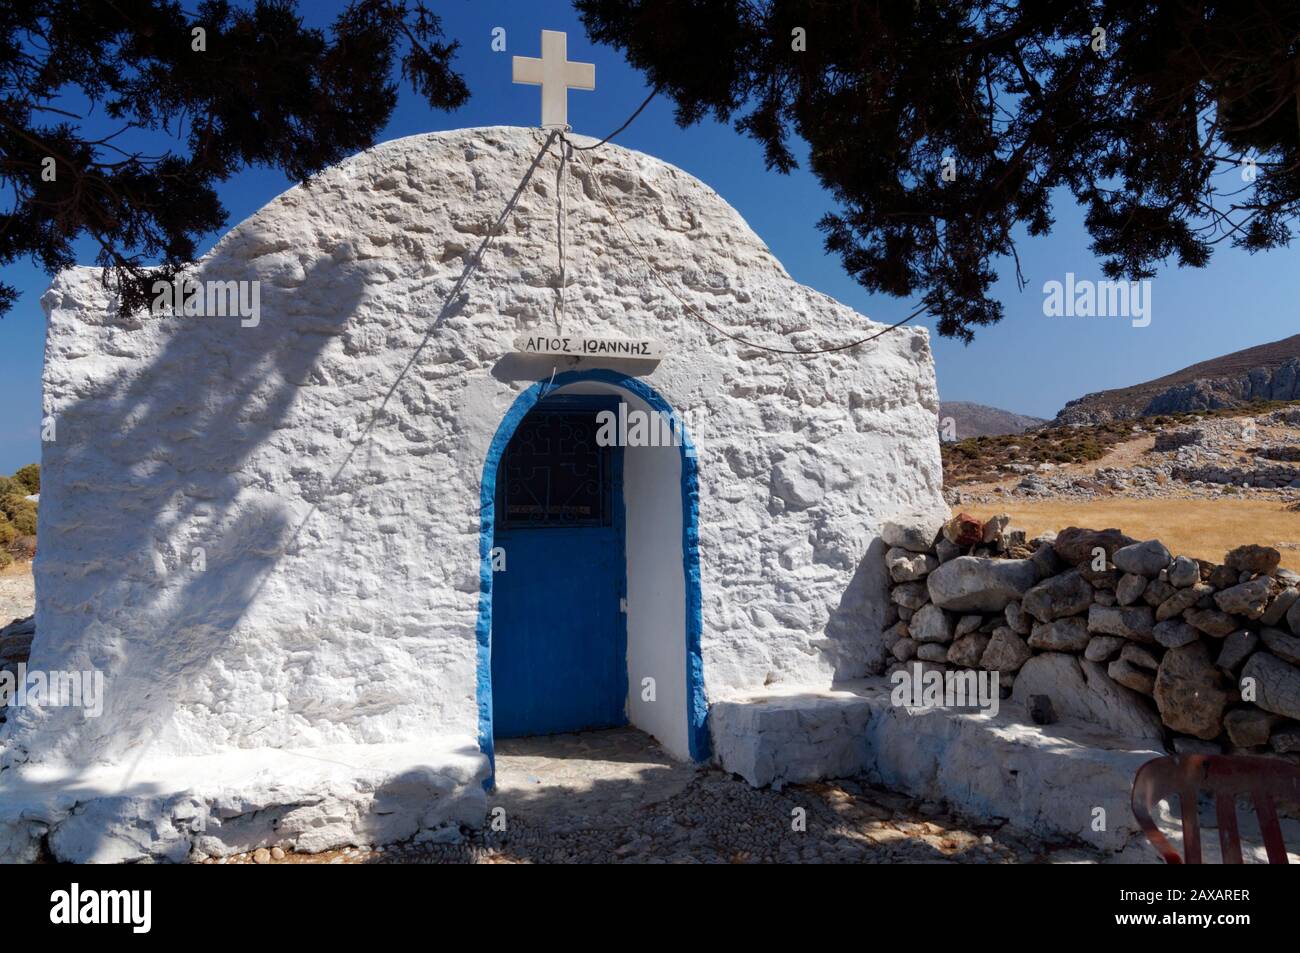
[(1062, 780)]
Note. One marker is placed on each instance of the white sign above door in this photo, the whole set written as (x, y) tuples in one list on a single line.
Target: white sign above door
[(573, 345)]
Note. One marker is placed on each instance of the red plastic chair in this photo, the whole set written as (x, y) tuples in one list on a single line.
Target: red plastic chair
[(1226, 778)]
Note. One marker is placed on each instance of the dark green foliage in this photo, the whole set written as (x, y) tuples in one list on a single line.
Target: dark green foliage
[(265, 91), (20, 513), (1023, 104), (30, 477), (17, 513)]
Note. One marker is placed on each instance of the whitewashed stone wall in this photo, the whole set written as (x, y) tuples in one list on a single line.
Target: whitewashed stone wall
[(340, 595)]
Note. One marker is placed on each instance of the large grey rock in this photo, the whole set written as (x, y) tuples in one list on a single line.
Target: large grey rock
[(1130, 622), (1221, 577), (995, 528), (1190, 692), (946, 550), (1284, 646), (910, 595), (1182, 600), (1064, 595), (1157, 592), (1236, 649), (1075, 545), (1006, 651), (1248, 600), (1250, 727), (1082, 691), (1144, 559), (932, 652), (1103, 647), (1253, 559), (904, 649), (1174, 633), (1184, 572), (1019, 620), (1278, 608), (1212, 622), (979, 584), (968, 650), (1046, 560), (913, 531), (931, 624), (1277, 684), (1142, 657), (907, 566), (1130, 588), (1069, 634), (1293, 618), (1130, 676)]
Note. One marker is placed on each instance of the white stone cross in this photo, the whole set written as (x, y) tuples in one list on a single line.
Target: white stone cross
[(556, 75)]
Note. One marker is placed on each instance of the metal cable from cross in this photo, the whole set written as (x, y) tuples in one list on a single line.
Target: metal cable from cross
[(556, 75)]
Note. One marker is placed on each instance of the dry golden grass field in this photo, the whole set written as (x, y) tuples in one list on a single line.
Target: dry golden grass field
[(1203, 529)]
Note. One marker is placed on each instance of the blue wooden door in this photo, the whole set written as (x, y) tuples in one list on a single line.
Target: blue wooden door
[(559, 637)]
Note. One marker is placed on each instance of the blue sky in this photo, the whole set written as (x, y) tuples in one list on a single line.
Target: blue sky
[(1029, 363)]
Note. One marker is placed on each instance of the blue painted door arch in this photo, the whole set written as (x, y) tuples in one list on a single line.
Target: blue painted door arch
[(559, 636), (696, 703)]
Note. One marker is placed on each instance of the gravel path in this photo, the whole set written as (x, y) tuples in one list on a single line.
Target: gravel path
[(614, 796), (17, 593)]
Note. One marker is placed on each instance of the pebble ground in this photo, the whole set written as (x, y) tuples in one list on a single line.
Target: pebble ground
[(615, 797)]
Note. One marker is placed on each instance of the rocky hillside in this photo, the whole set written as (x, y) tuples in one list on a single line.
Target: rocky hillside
[(992, 457), (980, 420), (1190, 443), (1264, 373)]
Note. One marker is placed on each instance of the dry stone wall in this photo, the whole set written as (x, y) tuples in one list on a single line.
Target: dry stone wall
[(1258, 455), (1094, 626)]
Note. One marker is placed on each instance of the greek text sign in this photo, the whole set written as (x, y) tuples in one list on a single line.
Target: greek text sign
[(577, 346)]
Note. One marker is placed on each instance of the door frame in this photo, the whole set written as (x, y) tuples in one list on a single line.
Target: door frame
[(697, 708), (568, 403)]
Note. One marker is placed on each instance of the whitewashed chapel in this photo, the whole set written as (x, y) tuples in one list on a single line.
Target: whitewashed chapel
[(326, 553)]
